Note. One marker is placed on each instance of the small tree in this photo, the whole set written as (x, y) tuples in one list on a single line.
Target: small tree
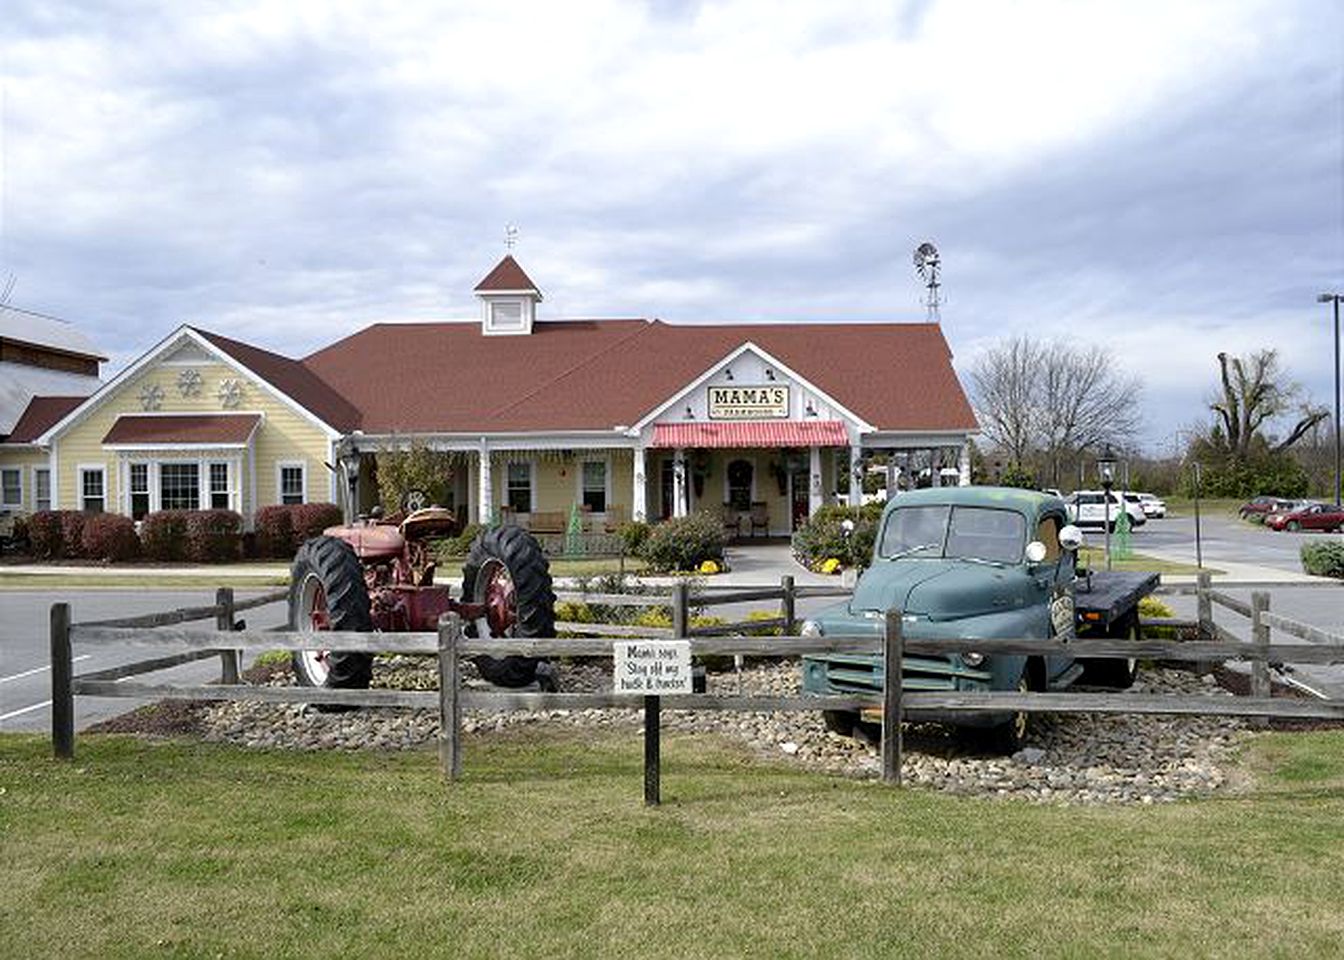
[(416, 468)]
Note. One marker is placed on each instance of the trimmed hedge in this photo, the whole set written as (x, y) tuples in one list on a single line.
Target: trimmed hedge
[(683, 543), (109, 537), (214, 536), (823, 537), (282, 528), (72, 532), (1324, 559), (163, 535), (44, 534)]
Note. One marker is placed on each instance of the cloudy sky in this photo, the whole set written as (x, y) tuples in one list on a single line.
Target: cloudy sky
[(1164, 178)]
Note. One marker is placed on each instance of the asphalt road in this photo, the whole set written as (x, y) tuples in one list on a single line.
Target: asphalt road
[(25, 673), (1223, 538)]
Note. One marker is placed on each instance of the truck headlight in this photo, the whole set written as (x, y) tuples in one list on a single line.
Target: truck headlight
[(972, 659), (810, 628)]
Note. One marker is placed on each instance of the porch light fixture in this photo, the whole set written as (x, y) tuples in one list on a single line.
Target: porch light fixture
[(690, 414), (728, 373), (811, 410), (769, 373), (348, 457)]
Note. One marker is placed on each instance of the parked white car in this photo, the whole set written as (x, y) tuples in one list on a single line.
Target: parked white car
[(1153, 507), (1087, 508)]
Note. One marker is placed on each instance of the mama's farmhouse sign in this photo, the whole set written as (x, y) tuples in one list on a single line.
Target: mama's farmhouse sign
[(749, 403)]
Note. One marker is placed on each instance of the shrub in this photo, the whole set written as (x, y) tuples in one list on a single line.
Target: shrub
[(633, 534), (163, 535), (1153, 607), (452, 548), (110, 537), (823, 536), (1324, 559), (274, 532), (44, 534), (310, 519), (72, 532), (683, 543), (213, 536)]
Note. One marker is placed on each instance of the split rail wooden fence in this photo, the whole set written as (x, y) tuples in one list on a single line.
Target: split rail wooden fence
[(450, 646)]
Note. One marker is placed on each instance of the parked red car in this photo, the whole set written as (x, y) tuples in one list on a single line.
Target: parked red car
[(1263, 506), (1307, 516)]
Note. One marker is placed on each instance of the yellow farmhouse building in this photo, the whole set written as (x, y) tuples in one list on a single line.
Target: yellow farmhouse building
[(621, 418)]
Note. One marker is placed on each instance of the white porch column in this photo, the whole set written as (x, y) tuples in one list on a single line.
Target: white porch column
[(814, 482), (639, 500), (856, 475), (485, 504), (680, 506), (964, 466)]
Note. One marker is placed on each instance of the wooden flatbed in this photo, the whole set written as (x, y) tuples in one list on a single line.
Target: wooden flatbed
[(1103, 597)]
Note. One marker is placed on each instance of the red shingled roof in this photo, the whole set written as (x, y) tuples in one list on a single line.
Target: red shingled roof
[(293, 379), (507, 275), (41, 414), (595, 375), (203, 428)]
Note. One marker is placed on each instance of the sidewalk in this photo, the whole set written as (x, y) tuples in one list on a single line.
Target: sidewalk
[(1236, 572)]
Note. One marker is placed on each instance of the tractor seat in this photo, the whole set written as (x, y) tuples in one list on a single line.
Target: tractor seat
[(375, 542), (429, 522)]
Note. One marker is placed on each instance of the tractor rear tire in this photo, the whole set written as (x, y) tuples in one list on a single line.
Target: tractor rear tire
[(509, 558), (327, 579)]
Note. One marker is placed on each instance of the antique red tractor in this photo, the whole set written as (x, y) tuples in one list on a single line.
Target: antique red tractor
[(378, 575)]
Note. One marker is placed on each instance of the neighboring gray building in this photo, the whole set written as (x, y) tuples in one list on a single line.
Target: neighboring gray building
[(41, 356)]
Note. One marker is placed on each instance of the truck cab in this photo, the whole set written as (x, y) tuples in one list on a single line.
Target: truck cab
[(977, 562)]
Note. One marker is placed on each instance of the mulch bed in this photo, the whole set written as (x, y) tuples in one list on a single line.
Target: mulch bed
[(1240, 684), (177, 718)]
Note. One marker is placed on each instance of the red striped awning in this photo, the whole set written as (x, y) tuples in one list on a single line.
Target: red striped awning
[(752, 433)]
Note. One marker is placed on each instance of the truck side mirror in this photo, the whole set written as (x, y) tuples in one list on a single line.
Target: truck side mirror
[(1071, 538)]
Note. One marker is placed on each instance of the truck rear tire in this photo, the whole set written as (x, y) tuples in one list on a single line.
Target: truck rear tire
[(507, 571), (327, 592), (842, 722), (1118, 673)]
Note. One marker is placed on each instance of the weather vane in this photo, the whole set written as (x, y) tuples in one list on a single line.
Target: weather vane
[(928, 265), (510, 236)]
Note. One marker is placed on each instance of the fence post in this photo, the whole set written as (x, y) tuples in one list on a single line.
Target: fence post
[(786, 604), (62, 690), (450, 701), (229, 667), (893, 651), (1260, 637), (1203, 604)]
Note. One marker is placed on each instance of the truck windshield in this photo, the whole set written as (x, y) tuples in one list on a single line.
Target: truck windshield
[(979, 533)]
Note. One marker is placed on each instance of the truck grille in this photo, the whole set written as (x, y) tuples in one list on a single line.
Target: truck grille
[(863, 674)]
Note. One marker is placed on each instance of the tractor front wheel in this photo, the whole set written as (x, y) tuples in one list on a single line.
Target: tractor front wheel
[(327, 592), (507, 572)]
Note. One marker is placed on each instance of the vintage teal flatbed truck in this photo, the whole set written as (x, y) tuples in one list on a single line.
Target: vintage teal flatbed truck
[(978, 562)]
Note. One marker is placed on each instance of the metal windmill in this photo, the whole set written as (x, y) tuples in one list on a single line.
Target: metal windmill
[(928, 264)]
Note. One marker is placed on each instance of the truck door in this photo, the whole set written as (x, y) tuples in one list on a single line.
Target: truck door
[(1054, 577)]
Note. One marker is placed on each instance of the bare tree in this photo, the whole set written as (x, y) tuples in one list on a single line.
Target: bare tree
[(1005, 382), (1255, 392), (1053, 400)]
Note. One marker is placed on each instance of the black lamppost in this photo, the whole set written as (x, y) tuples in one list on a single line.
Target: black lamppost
[(348, 458), (1335, 298), (1106, 470)]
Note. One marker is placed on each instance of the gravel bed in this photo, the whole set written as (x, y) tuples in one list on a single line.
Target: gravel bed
[(1077, 758)]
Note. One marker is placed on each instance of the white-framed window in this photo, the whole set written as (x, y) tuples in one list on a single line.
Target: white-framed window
[(41, 488), (219, 486), (518, 487), (11, 487), (138, 485), (292, 482), (93, 489), (506, 315), (179, 485), (593, 476)]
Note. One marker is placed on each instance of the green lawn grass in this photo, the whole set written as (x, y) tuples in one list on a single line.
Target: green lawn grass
[(1094, 558), (62, 581), (183, 849)]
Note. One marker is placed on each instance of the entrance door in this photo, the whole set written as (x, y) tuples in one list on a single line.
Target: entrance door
[(665, 487), (799, 497)]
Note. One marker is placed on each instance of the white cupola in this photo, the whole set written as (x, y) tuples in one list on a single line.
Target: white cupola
[(509, 300)]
